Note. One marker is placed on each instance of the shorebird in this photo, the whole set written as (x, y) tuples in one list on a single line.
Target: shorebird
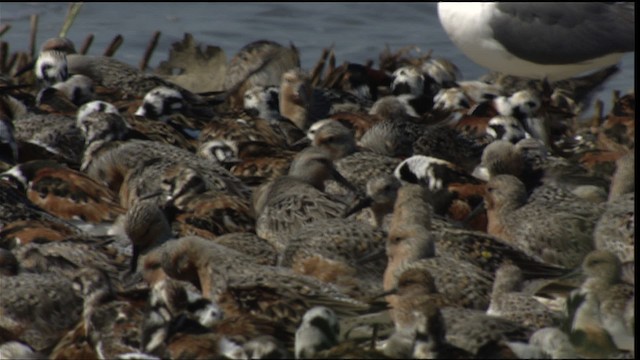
[(23, 222), (171, 106), (236, 129), (110, 319), (289, 202), (251, 245), (298, 101), (357, 164), (219, 152), (318, 331), (57, 133), (8, 143), (447, 143), (481, 334), (330, 250), (259, 63), (18, 350), (549, 180), (258, 162), (430, 337), (380, 197), (264, 102), (38, 308), (384, 137), (478, 248), (274, 295), (410, 85), (58, 59), (19, 232), (453, 192), (411, 244), (538, 40), (66, 193), (147, 227), (134, 168), (66, 257), (508, 302), (9, 265), (601, 317), (265, 347), (506, 127), (539, 228), (51, 65), (196, 209), (554, 342), (624, 180), (615, 230), (64, 97), (77, 88), (470, 330)]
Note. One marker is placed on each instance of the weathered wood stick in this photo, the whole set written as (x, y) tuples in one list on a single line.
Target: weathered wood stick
[(113, 47), (149, 51), (74, 9), (32, 37), (4, 54), (4, 28), (86, 45)]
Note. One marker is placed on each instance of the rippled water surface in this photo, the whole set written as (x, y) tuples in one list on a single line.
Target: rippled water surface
[(358, 31)]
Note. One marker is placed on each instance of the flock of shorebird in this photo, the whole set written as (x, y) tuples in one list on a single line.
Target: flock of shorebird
[(354, 213)]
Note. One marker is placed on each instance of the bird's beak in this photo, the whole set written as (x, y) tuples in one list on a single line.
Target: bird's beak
[(150, 195), (357, 206), (302, 143), (373, 256), (140, 112), (386, 293), (134, 258), (478, 209), (344, 182)]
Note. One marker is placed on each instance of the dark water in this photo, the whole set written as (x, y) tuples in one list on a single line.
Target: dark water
[(358, 31)]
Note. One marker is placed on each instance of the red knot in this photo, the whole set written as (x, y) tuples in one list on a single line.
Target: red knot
[(557, 236)]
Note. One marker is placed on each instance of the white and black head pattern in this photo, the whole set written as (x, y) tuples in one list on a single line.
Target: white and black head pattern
[(442, 71), (451, 99), (407, 80), (95, 106), (521, 104), (262, 101), (78, 88), (318, 331), (433, 172), (313, 129), (265, 347), (100, 120), (51, 67), (161, 102), (218, 151), (507, 128)]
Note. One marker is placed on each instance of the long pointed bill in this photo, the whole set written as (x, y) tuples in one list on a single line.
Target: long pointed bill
[(134, 258), (478, 209), (386, 293), (151, 195), (577, 272), (25, 68), (344, 182), (357, 206), (303, 142), (373, 256)]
